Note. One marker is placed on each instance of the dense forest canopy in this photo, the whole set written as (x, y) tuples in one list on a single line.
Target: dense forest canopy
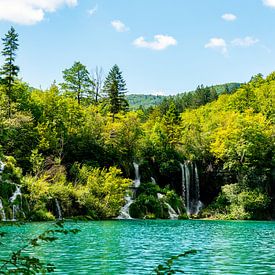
[(185, 99), (76, 143)]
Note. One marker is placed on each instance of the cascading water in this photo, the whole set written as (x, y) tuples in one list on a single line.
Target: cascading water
[(183, 182), (16, 193), (187, 186), (137, 176), (2, 166), (172, 213), (15, 210), (15, 207), (153, 180), (58, 208), (124, 211), (197, 203), (2, 211), (191, 188)]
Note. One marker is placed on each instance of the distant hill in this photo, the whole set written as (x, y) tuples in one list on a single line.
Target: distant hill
[(146, 101)]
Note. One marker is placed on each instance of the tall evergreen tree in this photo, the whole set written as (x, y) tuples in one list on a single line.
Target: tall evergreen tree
[(9, 70), (115, 90), (78, 82)]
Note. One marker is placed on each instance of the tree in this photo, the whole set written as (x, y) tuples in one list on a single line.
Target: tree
[(9, 70), (98, 81), (115, 89), (78, 81)]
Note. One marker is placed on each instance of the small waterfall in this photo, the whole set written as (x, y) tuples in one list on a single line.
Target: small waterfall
[(191, 188), (58, 209), (16, 193), (2, 212), (197, 203), (15, 210), (172, 213), (16, 207), (137, 176), (160, 196), (129, 198), (2, 166), (183, 182), (187, 186), (124, 211), (153, 180)]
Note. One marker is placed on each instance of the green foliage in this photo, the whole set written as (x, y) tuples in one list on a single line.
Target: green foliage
[(9, 70), (115, 89), (236, 203), (102, 191), (148, 205), (68, 151), (168, 267), (21, 263), (78, 82), (137, 101)]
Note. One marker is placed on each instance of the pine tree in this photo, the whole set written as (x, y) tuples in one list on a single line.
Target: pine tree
[(9, 70), (115, 89), (78, 81)]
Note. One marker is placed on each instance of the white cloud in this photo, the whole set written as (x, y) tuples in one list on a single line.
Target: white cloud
[(217, 44), (93, 10), (158, 93), (229, 17), (160, 42), (29, 12), (244, 42), (119, 26), (269, 3)]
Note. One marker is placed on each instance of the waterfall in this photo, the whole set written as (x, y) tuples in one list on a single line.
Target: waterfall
[(172, 213), (160, 196), (187, 186), (15, 210), (191, 188), (58, 209), (2, 166), (197, 203), (153, 180), (124, 211), (16, 207), (2, 212), (16, 193), (183, 182), (137, 176)]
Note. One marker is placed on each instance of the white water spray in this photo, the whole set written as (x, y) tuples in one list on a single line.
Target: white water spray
[(137, 176), (124, 211), (2, 211), (16, 193), (191, 188), (58, 208), (172, 213), (2, 166)]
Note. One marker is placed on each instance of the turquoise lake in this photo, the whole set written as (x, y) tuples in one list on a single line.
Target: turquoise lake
[(138, 246)]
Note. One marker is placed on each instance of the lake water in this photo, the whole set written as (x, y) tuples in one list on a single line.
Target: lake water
[(137, 247)]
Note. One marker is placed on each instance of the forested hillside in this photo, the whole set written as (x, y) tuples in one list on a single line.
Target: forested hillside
[(145, 101), (73, 146)]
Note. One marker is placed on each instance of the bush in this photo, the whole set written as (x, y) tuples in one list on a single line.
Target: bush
[(236, 203), (42, 215)]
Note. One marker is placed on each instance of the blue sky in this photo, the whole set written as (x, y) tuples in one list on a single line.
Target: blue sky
[(162, 46)]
